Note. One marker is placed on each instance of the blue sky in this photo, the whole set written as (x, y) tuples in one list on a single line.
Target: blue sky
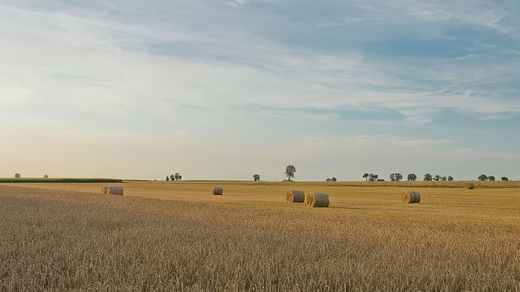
[(226, 89)]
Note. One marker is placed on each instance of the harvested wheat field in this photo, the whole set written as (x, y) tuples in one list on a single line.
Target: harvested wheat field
[(176, 237)]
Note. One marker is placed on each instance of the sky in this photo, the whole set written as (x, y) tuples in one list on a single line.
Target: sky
[(224, 89)]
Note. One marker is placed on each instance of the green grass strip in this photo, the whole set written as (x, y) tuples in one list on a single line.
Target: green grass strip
[(60, 180)]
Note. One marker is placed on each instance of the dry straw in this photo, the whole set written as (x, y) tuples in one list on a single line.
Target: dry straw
[(469, 185), (315, 199), (410, 197), (115, 190), (295, 196), (217, 191)]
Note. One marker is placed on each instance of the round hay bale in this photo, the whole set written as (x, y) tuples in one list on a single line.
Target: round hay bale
[(115, 190), (295, 196), (316, 199), (410, 197), (104, 189), (469, 185), (217, 191)]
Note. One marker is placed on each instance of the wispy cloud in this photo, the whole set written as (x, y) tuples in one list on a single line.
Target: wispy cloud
[(236, 3), (416, 143), (342, 79), (384, 141)]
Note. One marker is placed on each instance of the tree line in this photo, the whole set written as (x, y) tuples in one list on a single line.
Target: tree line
[(290, 170), (427, 177), (174, 177), (484, 177)]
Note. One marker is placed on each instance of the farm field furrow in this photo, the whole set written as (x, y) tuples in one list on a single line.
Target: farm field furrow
[(179, 237)]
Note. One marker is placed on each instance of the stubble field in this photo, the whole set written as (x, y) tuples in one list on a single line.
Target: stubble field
[(178, 236)]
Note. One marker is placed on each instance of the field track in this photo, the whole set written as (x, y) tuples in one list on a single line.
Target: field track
[(178, 236)]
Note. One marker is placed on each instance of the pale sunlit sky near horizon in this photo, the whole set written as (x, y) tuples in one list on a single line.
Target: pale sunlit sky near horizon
[(224, 89)]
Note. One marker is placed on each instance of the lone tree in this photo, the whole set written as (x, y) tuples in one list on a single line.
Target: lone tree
[(428, 177), (412, 177), (483, 177), (17, 175), (333, 179), (504, 178), (45, 176), (256, 177), (365, 176), (491, 178), (289, 171), (396, 176)]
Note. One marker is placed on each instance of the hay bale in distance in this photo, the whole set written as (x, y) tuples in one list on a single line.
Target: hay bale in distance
[(104, 189), (217, 191), (316, 199), (469, 185), (295, 196), (115, 190), (410, 197)]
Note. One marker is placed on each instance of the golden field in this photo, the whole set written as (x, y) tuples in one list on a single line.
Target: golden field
[(177, 236)]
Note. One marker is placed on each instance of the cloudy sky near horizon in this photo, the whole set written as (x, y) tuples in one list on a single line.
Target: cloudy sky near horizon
[(224, 89)]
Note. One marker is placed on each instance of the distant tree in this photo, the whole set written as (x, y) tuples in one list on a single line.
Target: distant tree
[(289, 171), (396, 176), (504, 178), (428, 177), (167, 178), (365, 176), (443, 178), (491, 178), (380, 179), (373, 177), (45, 176), (172, 177), (483, 177), (333, 179), (17, 175), (178, 176), (256, 177), (436, 177), (450, 178), (328, 179), (412, 177)]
